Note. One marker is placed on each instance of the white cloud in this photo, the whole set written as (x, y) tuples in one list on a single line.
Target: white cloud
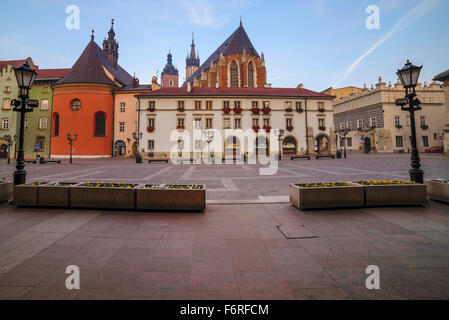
[(411, 17), (200, 12)]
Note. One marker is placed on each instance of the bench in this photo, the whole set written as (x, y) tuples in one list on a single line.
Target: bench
[(189, 160), (51, 161), (31, 161), (158, 160), (325, 156), (300, 157)]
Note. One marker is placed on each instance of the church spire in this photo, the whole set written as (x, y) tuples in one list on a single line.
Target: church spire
[(111, 33), (110, 46), (193, 60)]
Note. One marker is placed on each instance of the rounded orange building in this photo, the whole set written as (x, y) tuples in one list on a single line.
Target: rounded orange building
[(83, 102)]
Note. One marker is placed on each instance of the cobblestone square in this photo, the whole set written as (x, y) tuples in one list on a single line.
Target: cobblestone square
[(244, 246)]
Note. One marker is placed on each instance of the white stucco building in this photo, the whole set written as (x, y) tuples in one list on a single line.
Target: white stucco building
[(173, 119)]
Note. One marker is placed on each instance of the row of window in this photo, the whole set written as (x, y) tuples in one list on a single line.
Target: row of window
[(397, 121), (43, 105), (99, 124), (226, 104), (226, 123), (42, 123), (373, 122), (234, 74), (425, 141)]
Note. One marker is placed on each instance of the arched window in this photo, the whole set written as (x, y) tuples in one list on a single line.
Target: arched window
[(100, 125), (234, 74), (56, 125), (250, 75)]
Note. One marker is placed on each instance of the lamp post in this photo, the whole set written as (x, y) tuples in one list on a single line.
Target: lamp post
[(209, 136), (279, 133), (343, 133), (25, 77), (409, 75), (137, 138), (71, 140), (8, 154)]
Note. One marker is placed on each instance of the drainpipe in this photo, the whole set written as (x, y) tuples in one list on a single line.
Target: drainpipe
[(113, 122), (307, 128), (138, 157), (51, 122)]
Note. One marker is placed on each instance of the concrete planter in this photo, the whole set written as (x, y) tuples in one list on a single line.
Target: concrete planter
[(55, 194), (170, 199), (102, 197), (5, 191), (395, 195), (327, 197), (26, 195), (438, 191)]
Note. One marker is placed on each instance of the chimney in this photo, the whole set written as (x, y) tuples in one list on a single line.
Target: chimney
[(189, 87), (135, 82)]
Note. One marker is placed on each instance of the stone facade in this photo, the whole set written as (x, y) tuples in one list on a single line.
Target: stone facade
[(341, 93), (376, 124), (444, 78), (219, 73), (235, 63)]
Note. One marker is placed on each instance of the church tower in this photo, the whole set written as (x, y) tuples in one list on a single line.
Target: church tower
[(110, 46), (169, 75), (192, 61)]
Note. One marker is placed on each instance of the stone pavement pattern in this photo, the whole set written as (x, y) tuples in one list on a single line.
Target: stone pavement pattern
[(228, 252), (237, 182)]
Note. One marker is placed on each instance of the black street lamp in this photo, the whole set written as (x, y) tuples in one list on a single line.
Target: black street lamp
[(409, 75), (71, 140), (25, 78)]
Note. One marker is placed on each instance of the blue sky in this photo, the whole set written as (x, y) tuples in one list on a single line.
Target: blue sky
[(313, 42)]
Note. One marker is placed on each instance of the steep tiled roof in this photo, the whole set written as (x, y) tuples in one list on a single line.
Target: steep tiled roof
[(15, 63), (89, 69), (232, 45), (237, 92), (51, 74), (442, 76)]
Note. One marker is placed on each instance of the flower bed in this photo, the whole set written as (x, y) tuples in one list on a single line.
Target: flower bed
[(238, 110), (171, 197), (393, 193), (150, 129), (5, 190), (438, 190), (326, 195), (226, 110), (26, 195), (54, 194), (103, 195)]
